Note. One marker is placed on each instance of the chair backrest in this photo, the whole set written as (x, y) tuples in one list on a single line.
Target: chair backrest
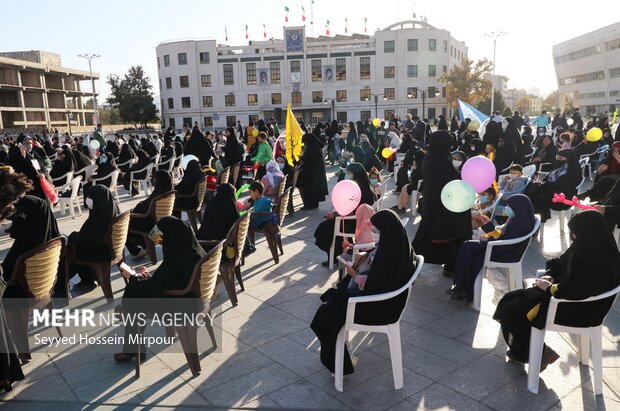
[(75, 187), (36, 270), (162, 205), (235, 172), (114, 179), (146, 168), (224, 175), (499, 243), (237, 236), (283, 205), (64, 180), (553, 305), (118, 235), (280, 188), (199, 192)]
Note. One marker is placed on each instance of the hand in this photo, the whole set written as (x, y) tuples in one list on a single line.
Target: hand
[(329, 215), (602, 168), (546, 277), (90, 179), (536, 159), (142, 272), (484, 238), (346, 245), (360, 280), (616, 156), (600, 208), (483, 219), (126, 274), (542, 284)]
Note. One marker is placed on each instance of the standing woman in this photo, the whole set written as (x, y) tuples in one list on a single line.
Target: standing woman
[(233, 150), (589, 267), (512, 134), (312, 180), (386, 268), (441, 232), (352, 139), (454, 125), (143, 161)]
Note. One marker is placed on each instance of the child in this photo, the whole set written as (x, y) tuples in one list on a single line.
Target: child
[(261, 204), (513, 183), (375, 179), (485, 200)]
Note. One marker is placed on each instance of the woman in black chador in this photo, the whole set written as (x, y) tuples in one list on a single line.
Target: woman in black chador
[(312, 181)]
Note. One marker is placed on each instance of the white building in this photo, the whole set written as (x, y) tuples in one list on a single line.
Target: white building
[(345, 77), (588, 69)]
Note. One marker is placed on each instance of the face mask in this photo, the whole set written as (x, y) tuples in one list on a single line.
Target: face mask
[(374, 181), (375, 237), (484, 198), (509, 212), (89, 203), (472, 148), (281, 166), (512, 176), (103, 160), (28, 148), (456, 163), (347, 176), (156, 235)]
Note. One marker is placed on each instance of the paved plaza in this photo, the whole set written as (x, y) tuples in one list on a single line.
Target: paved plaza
[(453, 356)]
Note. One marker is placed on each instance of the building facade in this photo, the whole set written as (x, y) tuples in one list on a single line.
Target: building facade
[(349, 78), (37, 91), (588, 70)]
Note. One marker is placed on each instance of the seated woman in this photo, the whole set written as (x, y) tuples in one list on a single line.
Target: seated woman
[(181, 253), (143, 161), (167, 152), (162, 184), (191, 176), (325, 231), (89, 244), (514, 183), (545, 153), (389, 266), (65, 162), (271, 179), (220, 214), (563, 179), (485, 200), (505, 156), (375, 178), (414, 175), (105, 166), (606, 176), (471, 256), (589, 267), (127, 153), (476, 147)]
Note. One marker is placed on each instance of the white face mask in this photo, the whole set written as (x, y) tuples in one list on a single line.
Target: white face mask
[(375, 237), (512, 176), (456, 163), (89, 203)]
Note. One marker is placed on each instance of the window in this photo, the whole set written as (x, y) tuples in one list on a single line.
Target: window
[(317, 96), (412, 70), (581, 78), (167, 63), (229, 100), (389, 72), (612, 45), (341, 95), (295, 66), (158, 62), (229, 77), (364, 115), (388, 46), (184, 81), (432, 44), (252, 99), (444, 69), (412, 111), (296, 98), (172, 123), (341, 69), (207, 101), (168, 82), (204, 57), (365, 94), (445, 46), (276, 98), (431, 92), (443, 92), (316, 70), (364, 68), (187, 120), (317, 117), (614, 72), (274, 70), (388, 113), (412, 92), (170, 102), (205, 80), (250, 73), (341, 116), (182, 57), (389, 94), (253, 118), (412, 44), (432, 112), (208, 120), (186, 102), (432, 70), (231, 121)]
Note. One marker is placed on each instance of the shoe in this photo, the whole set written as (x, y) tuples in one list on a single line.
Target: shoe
[(511, 357), (306, 208), (143, 253), (124, 357), (325, 263), (86, 285), (447, 273), (548, 357), (249, 250)]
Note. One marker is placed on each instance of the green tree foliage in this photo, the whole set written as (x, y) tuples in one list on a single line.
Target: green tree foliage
[(499, 103), (466, 82), (132, 96)]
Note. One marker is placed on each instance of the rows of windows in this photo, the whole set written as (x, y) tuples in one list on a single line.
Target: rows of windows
[(389, 46), (612, 44), (579, 54), (599, 94), (582, 78), (614, 72), (182, 59)]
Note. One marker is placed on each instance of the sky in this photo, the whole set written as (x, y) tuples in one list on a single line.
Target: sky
[(125, 33)]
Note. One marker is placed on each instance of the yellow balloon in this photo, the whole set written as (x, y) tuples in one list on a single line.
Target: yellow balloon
[(376, 122), (473, 125), (387, 152), (255, 132), (594, 134)]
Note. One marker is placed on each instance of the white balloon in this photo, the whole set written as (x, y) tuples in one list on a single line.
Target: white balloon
[(187, 159), (94, 144)]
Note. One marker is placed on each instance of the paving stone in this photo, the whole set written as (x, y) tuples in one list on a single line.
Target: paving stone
[(303, 395), (439, 397)]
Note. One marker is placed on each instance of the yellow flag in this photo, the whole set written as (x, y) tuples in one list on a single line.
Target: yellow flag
[(294, 134)]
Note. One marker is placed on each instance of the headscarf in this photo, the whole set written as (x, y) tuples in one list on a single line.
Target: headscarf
[(274, 175), (592, 235), (163, 182), (233, 151), (220, 214), (100, 217), (614, 167), (492, 133), (360, 176), (479, 148), (363, 231), (569, 167)]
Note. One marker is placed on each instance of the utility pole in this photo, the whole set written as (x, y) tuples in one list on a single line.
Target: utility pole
[(90, 57), (494, 36)]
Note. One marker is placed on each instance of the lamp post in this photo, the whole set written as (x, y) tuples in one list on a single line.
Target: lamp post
[(90, 57), (425, 93), (69, 120), (376, 98), (494, 36), (333, 100)]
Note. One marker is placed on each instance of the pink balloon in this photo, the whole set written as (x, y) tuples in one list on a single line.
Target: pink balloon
[(480, 172), (345, 196)]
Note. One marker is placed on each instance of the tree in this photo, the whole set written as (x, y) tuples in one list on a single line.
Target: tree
[(507, 112), (109, 116), (499, 103), (522, 105), (466, 82), (132, 96), (550, 103)]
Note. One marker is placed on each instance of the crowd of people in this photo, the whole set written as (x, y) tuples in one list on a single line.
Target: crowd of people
[(420, 160)]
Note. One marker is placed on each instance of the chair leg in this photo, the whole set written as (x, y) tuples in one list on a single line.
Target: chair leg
[(597, 358), (279, 240), (78, 206), (239, 278), (396, 354), (584, 349), (273, 247), (537, 341), (229, 285), (478, 290), (191, 215), (331, 253), (137, 359), (188, 337), (209, 326), (339, 365), (150, 247), (103, 275)]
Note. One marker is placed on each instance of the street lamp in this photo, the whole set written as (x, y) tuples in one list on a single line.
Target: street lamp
[(376, 98), (68, 113), (494, 36), (425, 93), (89, 57), (333, 105)]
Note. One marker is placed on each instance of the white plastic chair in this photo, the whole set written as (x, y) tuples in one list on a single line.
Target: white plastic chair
[(490, 209), (515, 270), (415, 196), (113, 176), (586, 335), (144, 182), (64, 182), (73, 200), (338, 221), (568, 213), (584, 162), (167, 165), (382, 194), (529, 171), (392, 330)]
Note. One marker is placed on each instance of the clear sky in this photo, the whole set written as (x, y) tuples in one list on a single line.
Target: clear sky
[(126, 32)]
